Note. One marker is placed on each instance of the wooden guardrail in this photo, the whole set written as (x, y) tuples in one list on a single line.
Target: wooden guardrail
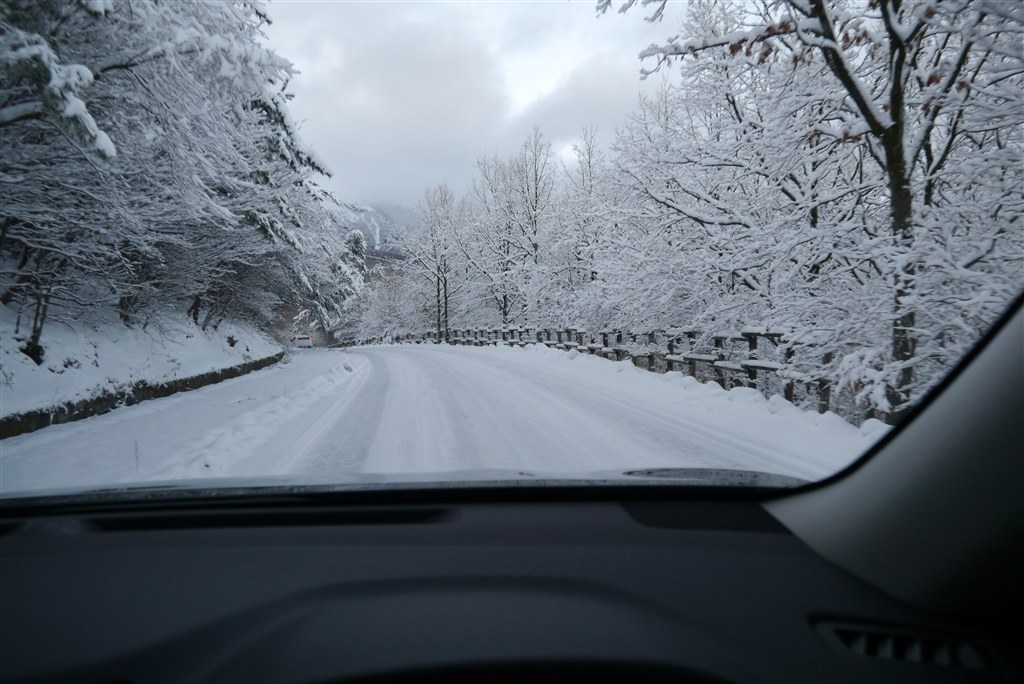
[(752, 357)]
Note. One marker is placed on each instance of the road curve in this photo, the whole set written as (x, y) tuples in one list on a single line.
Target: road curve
[(438, 408), (432, 409)]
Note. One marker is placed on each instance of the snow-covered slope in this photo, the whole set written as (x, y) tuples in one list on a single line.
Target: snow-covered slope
[(84, 360)]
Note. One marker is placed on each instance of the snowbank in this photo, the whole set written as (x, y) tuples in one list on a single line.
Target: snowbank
[(826, 440), (85, 360)]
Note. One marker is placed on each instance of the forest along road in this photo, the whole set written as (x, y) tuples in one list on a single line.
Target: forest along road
[(433, 409)]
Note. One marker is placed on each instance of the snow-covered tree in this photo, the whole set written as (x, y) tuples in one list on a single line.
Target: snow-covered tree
[(890, 100), (394, 303), (154, 166), (850, 172), (432, 254)]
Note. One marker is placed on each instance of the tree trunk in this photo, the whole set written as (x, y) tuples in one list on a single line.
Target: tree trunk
[(8, 295), (32, 348), (437, 304), (904, 342), (209, 317), (126, 309), (445, 294), (193, 310)]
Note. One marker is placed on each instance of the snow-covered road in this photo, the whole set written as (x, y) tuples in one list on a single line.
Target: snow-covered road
[(434, 409)]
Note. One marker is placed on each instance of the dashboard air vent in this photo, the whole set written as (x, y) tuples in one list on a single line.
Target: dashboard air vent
[(902, 644)]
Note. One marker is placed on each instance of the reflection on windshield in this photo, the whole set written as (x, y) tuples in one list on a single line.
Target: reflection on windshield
[(521, 253)]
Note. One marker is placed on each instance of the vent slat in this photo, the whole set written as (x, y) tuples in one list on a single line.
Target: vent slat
[(902, 645), (969, 658), (887, 648)]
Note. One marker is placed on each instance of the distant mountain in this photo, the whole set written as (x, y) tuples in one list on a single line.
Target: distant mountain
[(349, 216), (379, 224), (404, 218)]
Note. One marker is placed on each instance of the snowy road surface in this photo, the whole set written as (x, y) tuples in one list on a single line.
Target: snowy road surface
[(434, 409)]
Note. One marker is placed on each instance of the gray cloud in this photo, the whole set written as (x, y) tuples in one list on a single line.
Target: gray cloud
[(396, 97)]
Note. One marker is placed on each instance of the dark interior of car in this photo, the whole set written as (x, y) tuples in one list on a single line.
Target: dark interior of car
[(906, 567)]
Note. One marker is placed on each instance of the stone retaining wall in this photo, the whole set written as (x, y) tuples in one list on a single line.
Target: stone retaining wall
[(20, 423)]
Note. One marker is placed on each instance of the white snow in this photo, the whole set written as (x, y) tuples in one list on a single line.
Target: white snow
[(84, 360), (406, 409), (99, 7)]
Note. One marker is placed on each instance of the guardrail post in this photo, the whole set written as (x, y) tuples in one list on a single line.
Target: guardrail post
[(824, 386), (752, 355), (788, 390), (691, 342), (720, 353), (671, 346)]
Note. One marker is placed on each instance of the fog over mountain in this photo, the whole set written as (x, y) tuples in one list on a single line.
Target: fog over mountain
[(379, 224), (402, 216)]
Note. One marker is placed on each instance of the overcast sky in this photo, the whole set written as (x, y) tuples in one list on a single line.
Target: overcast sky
[(398, 96)]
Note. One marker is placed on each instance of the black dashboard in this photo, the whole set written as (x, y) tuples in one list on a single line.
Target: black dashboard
[(530, 585)]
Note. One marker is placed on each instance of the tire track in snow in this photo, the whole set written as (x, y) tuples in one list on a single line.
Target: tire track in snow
[(451, 411), (542, 422), (466, 408), (416, 432), (711, 443)]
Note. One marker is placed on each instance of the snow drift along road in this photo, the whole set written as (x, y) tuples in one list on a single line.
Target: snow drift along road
[(434, 409)]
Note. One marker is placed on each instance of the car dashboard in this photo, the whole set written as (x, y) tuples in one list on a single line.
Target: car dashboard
[(625, 584)]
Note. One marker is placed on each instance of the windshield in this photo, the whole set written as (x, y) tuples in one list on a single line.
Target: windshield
[(345, 244)]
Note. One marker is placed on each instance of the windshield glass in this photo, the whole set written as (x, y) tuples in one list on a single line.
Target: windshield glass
[(719, 242)]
